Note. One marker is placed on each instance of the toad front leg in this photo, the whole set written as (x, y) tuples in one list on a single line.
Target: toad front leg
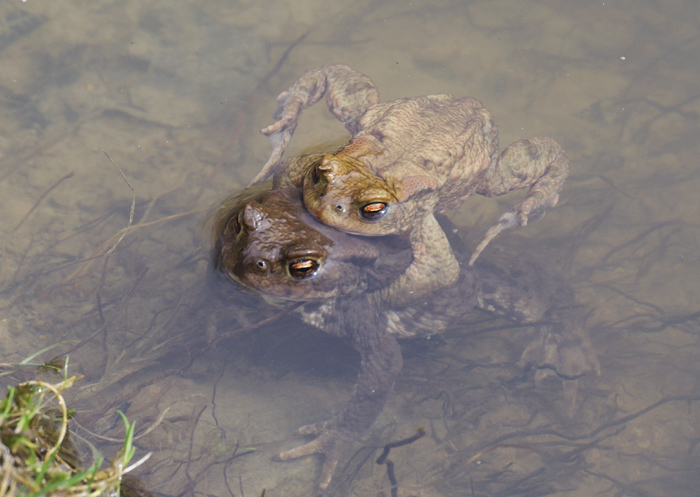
[(381, 364), (539, 163), (349, 94), (434, 266)]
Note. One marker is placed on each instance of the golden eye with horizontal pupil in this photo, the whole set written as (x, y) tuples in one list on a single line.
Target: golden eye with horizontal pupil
[(302, 268), (374, 211)]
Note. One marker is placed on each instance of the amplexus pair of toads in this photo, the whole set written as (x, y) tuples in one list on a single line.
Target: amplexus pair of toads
[(407, 159)]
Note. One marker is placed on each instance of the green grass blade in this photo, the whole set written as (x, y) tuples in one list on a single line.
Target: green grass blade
[(25, 361)]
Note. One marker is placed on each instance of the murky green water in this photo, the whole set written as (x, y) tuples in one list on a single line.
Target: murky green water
[(175, 92)]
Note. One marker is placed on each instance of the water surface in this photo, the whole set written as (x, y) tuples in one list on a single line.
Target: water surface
[(175, 92)]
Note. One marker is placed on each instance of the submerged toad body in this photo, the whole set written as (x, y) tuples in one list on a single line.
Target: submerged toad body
[(407, 159), (266, 241)]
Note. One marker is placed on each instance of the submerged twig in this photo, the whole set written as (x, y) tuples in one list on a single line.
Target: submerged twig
[(89, 261), (42, 197), (133, 204), (384, 458)]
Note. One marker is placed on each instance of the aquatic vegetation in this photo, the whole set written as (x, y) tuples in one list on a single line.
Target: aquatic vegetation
[(37, 455)]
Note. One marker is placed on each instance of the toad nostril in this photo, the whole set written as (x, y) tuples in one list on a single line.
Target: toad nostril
[(339, 208)]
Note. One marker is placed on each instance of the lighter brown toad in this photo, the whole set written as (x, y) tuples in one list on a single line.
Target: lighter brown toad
[(407, 159)]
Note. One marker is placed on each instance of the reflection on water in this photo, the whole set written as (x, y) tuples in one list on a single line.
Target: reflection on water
[(175, 93)]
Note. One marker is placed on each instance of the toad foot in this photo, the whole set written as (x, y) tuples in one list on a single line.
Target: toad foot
[(566, 353), (332, 443), (539, 163)]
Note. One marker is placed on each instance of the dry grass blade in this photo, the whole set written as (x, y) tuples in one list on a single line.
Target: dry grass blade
[(133, 204)]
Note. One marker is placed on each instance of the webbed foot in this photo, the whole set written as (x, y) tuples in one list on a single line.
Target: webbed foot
[(348, 94), (333, 443), (291, 103), (566, 353)]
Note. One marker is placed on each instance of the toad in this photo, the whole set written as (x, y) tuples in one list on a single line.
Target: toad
[(408, 158), (268, 242)]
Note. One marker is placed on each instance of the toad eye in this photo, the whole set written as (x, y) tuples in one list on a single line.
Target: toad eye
[(302, 269), (374, 211)]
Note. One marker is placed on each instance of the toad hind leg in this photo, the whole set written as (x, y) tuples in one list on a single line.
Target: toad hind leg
[(349, 94), (380, 365), (563, 351), (539, 163)]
